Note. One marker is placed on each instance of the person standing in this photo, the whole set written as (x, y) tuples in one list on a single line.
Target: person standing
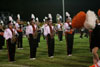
[(44, 26), (59, 27), (19, 29), (31, 33), (10, 34), (2, 40), (69, 36), (49, 33), (39, 30), (60, 30)]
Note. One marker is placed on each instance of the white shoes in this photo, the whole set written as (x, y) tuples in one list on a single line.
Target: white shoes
[(0, 50), (61, 41), (69, 55), (32, 58), (20, 48), (51, 56)]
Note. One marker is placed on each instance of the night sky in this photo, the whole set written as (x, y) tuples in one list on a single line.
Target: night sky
[(42, 7)]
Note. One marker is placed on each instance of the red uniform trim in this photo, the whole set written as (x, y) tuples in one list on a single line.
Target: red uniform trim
[(1, 33), (19, 30)]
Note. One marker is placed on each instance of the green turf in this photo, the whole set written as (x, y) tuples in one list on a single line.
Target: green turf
[(82, 57)]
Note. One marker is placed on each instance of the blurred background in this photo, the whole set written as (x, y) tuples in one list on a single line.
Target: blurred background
[(42, 7)]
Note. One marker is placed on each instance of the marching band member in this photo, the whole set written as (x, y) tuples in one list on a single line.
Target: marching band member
[(49, 33), (69, 35), (10, 34), (2, 40), (28, 24), (59, 28), (39, 30), (19, 29), (44, 26), (31, 32)]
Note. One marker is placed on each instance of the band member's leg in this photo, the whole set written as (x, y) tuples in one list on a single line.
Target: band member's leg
[(95, 55), (69, 44), (10, 50), (1, 43), (31, 45), (34, 52), (39, 35), (81, 34), (18, 42), (13, 50), (61, 35), (21, 40), (49, 45), (35, 45), (52, 47)]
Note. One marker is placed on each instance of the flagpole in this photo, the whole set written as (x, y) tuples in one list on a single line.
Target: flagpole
[(63, 4)]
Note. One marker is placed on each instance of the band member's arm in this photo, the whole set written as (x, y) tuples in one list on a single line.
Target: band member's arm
[(45, 31), (16, 26), (28, 31), (66, 27), (6, 34), (54, 29), (16, 33)]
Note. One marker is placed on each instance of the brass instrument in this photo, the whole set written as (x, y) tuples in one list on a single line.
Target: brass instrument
[(53, 33), (61, 28), (35, 34), (14, 38)]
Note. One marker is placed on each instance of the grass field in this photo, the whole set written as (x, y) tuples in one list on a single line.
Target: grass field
[(82, 57)]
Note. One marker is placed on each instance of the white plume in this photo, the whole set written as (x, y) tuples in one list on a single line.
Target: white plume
[(59, 17), (46, 18), (67, 14), (1, 21), (37, 19), (18, 16), (32, 16), (28, 22), (10, 18), (90, 21), (14, 22), (50, 16)]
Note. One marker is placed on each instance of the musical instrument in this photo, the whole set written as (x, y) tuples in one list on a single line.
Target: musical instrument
[(53, 33), (14, 38), (35, 34)]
